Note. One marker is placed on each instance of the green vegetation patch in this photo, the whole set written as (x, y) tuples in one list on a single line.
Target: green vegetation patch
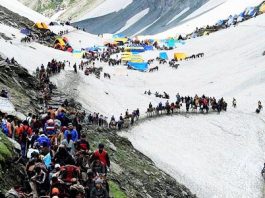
[(116, 191)]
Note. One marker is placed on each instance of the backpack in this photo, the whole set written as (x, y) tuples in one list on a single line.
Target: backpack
[(24, 135), (4, 127)]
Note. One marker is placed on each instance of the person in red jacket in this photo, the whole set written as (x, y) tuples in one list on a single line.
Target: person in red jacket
[(102, 155), (69, 172), (24, 132)]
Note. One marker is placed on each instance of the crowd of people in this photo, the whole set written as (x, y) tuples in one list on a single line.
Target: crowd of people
[(196, 103), (58, 159), (53, 67)]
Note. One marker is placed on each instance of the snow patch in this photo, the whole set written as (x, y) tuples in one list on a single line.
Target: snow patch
[(107, 7), (178, 15), (134, 19)]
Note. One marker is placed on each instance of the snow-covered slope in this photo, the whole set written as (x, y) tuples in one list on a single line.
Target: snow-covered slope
[(214, 155), (209, 14), (17, 7), (162, 15)]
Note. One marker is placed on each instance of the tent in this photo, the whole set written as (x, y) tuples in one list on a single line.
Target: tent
[(53, 23), (138, 66), (118, 36), (163, 55), (44, 26), (262, 8), (134, 49), (78, 53), (41, 25), (25, 31), (148, 48), (170, 43), (250, 11), (180, 56), (60, 41), (121, 40)]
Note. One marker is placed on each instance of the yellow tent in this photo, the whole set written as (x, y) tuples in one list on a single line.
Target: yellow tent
[(262, 8), (41, 25), (180, 56), (78, 54), (60, 40), (132, 58), (38, 25), (123, 40), (44, 25)]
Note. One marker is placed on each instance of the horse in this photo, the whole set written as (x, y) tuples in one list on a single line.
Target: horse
[(162, 61), (200, 55), (150, 112), (175, 66), (106, 75), (153, 69)]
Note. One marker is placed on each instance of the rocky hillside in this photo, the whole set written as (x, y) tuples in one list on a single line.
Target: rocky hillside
[(72, 8), (133, 174)]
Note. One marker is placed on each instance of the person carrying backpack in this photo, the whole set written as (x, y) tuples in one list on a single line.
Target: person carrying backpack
[(24, 133), (4, 126)]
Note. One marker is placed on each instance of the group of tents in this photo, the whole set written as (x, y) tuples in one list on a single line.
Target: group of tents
[(177, 56)]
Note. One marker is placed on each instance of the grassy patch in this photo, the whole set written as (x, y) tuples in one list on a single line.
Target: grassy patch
[(5, 147), (116, 191)]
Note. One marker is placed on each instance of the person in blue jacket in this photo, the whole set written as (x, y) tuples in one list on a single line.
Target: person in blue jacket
[(71, 131), (44, 140)]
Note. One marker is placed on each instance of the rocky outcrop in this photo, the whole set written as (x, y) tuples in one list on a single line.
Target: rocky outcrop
[(22, 87), (135, 173)]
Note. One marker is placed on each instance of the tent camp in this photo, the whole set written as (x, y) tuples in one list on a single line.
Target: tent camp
[(25, 31), (41, 25), (138, 66), (163, 55), (180, 56)]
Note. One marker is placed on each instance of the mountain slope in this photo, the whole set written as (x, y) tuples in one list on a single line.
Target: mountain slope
[(66, 8)]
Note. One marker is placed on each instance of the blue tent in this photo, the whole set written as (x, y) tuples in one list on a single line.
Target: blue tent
[(163, 55), (137, 49), (118, 36), (148, 48), (93, 49), (25, 31), (251, 11), (170, 42), (138, 66)]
